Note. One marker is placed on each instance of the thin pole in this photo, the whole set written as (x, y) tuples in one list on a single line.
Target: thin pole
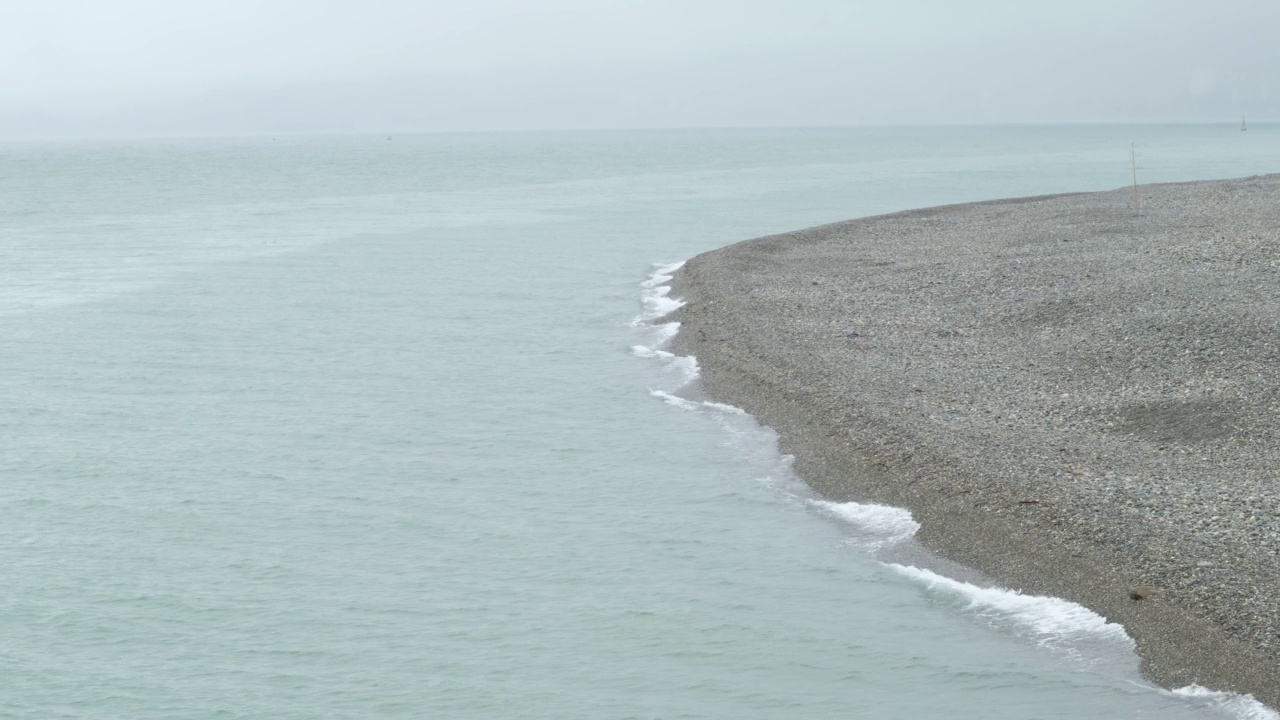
[(1133, 160)]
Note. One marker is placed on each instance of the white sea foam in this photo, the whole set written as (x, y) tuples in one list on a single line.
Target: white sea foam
[(662, 275), (1051, 619), (680, 369), (648, 352), (724, 408), (880, 525), (659, 336), (676, 400), (654, 296), (659, 306), (664, 332), (1241, 706), (697, 405), (685, 367)]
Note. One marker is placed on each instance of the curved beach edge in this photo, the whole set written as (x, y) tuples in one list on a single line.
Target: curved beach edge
[(1075, 394)]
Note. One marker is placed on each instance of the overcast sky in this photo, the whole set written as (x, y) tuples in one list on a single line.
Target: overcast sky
[(239, 66)]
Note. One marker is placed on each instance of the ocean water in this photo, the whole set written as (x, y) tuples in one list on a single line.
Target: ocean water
[(359, 427)]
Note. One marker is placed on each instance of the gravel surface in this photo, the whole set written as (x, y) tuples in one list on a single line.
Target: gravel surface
[(1073, 398)]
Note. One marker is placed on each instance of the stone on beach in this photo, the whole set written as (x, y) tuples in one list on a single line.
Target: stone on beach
[(1141, 592)]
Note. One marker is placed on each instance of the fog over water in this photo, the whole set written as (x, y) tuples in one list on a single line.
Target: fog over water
[(146, 67), (303, 422)]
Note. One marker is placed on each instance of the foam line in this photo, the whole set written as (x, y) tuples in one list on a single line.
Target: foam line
[(724, 407), (648, 352), (1049, 617), (1242, 706), (662, 275), (665, 332), (659, 306), (696, 405), (654, 295), (885, 524), (687, 368), (676, 400)]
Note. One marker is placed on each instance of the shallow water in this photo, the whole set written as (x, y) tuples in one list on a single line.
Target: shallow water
[(350, 427)]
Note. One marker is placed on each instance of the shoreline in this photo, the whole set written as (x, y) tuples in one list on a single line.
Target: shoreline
[(1070, 398)]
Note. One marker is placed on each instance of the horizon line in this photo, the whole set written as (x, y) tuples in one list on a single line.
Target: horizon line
[(179, 135)]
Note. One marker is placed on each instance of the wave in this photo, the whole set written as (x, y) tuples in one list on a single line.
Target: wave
[(1051, 619), (654, 296), (878, 525), (676, 400), (686, 404), (657, 304), (1241, 706), (664, 332), (662, 274)]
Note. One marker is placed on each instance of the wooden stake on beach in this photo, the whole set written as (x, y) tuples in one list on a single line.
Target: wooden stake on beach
[(1133, 160)]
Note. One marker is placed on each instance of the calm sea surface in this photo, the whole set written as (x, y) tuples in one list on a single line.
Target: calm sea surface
[(359, 427)]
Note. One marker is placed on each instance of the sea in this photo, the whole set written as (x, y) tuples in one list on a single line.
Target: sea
[(380, 426)]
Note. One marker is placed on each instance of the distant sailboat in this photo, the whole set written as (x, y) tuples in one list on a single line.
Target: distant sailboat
[(1242, 125)]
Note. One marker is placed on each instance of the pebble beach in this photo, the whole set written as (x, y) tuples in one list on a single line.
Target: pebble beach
[(1074, 394)]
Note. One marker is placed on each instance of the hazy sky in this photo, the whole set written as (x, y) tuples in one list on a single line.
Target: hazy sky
[(236, 66)]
